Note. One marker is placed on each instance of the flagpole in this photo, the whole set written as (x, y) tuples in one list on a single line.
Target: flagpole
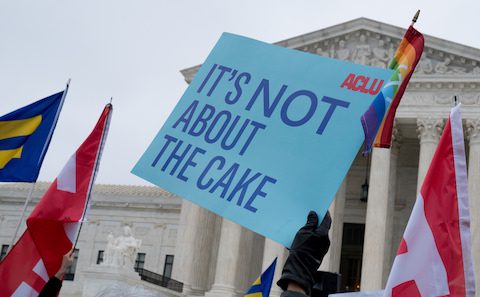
[(29, 197), (95, 170)]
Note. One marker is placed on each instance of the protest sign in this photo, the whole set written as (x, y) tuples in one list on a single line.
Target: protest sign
[(263, 134)]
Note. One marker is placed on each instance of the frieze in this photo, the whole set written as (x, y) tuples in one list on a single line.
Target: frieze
[(418, 99), (440, 98), (373, 49), (444, 99)]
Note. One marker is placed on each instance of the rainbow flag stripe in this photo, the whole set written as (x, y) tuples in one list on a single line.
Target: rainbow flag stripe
[(377, 121)]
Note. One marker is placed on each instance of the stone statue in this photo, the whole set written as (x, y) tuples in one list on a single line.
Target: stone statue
[(424, 66), (391, 51), (321, 52), (445, 67), (331, 53), (442, 67), (343, 53), (121, 251), (380, 55), (362, 52), (111, 252)]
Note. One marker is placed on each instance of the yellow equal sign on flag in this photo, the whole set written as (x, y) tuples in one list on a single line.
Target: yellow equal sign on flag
[(262, 285), (25, 135), (257, 282), (10, 131)]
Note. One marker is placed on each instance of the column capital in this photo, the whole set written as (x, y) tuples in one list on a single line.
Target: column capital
[(429, 129), (397, 136), (473, 131)]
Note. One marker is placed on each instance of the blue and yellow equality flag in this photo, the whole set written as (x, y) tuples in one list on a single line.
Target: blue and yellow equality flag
[(261, 287), (24, 138)]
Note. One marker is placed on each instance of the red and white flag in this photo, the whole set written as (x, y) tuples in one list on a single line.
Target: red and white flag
[(22, 272), (434, 257), (53, 226)]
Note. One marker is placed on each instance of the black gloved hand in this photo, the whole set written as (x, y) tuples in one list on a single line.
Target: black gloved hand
[(310, 245)]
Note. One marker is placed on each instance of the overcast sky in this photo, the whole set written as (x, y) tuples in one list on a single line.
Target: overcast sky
[(133, 51)]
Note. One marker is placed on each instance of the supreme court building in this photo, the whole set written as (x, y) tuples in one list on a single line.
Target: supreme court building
[(215, 257)]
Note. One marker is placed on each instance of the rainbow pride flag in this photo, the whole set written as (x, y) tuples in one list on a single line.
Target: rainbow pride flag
[(377, 121)]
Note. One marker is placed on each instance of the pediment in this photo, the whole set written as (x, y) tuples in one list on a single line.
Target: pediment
[(373, 43)]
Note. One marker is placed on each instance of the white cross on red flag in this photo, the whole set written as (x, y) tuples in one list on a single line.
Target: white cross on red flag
[(434, 257), (53, 225)]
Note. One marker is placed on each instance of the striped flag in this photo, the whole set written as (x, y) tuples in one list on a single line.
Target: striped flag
[(377, 121), (434, 257), (25, 135), (53, 225), (262, 285)]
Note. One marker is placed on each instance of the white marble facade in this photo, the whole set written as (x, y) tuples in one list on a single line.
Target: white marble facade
[(151, 213), (215, 257)]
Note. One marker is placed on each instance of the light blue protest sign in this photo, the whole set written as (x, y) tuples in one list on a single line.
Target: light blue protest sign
[(263, 134)]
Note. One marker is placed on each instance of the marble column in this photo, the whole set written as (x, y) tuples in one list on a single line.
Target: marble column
[(429, 131), (193, 248), (271, 250), (392, 194), (229, 256), (331, 261), (249, 266), (377, 224), (473, 135)]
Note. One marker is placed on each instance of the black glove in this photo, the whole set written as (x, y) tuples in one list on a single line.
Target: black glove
[(310, 245)]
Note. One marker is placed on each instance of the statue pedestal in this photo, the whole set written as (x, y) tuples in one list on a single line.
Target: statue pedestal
[(116, 277), (120, 282), (98, 278)]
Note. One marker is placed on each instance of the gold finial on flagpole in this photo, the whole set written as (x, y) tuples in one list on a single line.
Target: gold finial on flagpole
[(415, 17)]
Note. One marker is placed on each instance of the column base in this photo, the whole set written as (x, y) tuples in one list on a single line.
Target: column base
[(222, 291), (189, 291)]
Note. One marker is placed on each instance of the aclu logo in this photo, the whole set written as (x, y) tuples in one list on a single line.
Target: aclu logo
[(364, 84)]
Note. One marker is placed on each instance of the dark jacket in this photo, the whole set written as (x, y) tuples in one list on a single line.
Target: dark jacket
[(51, 288)]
